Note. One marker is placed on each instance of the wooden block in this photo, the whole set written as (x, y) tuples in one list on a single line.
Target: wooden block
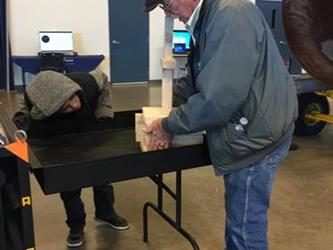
[(188, 139), (167, 91), (150, 114), (168, 62), (139, 125), (143, 147)]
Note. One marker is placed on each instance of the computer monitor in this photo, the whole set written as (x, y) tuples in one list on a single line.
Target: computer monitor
[(181, 41), (56, 41)]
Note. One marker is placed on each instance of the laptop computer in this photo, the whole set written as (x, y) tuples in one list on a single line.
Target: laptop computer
[(56, 42), (181, 41)]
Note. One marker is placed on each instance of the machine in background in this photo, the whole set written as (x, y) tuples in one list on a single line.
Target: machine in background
[(296, 21)]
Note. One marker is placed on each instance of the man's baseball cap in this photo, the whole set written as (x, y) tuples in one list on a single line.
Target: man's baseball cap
[(152, 4)]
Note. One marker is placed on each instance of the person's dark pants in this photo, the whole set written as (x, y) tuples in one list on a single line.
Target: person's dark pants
[(76, 216)]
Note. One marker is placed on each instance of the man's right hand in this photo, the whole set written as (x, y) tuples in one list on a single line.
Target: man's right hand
[(158, 137)]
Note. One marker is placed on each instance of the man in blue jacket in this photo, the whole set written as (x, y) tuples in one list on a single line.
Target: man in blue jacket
[(239, 91)]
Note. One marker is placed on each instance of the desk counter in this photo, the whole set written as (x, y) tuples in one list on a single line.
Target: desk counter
[(31, 64)]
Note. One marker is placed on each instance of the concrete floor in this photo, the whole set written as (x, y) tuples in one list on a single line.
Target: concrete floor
[(301, 213)]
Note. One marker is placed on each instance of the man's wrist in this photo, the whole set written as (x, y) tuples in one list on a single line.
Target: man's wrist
[(165, 125)]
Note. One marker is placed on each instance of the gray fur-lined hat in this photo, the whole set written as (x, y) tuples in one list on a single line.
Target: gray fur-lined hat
[(48, 92)]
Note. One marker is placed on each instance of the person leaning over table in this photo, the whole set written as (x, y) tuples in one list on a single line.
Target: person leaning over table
[(239, 91), (60, 104)]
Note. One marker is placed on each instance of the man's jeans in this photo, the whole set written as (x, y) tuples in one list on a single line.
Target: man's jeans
[(247, 197)]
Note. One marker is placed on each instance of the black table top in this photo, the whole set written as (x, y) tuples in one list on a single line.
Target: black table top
[(97, 157), (84, 147)]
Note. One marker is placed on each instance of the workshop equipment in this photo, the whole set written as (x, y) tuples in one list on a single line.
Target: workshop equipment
[(303, 32)]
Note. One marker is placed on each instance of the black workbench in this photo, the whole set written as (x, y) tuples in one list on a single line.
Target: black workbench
[(107, 154), (103, 156), (93, 154)]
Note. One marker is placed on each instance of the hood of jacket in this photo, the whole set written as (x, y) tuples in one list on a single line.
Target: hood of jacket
[(48, 92)]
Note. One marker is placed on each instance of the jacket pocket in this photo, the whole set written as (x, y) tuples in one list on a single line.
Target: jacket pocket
[(227, 144), (236, 140)]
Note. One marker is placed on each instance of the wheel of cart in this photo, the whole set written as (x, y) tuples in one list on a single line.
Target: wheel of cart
[(311, 105)]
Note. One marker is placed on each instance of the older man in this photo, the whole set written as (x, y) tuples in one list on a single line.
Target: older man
[(239, 91)]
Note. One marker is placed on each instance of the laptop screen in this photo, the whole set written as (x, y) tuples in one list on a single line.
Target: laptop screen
[(56, 41), (181, 41)]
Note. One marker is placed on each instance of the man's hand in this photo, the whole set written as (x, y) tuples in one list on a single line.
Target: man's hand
[(158, 137)]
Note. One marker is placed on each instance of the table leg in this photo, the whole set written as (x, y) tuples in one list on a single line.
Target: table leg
[(158, 180)]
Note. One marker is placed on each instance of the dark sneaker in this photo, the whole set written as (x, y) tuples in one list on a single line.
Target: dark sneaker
[(293, 146), (75, 239), (116, 222)]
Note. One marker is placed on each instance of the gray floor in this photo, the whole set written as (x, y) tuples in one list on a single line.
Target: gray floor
[(301, 214)]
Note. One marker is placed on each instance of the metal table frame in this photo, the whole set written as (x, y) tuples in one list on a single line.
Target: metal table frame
[(176, 224)]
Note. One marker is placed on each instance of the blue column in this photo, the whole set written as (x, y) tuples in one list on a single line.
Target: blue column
[(6, 72)]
